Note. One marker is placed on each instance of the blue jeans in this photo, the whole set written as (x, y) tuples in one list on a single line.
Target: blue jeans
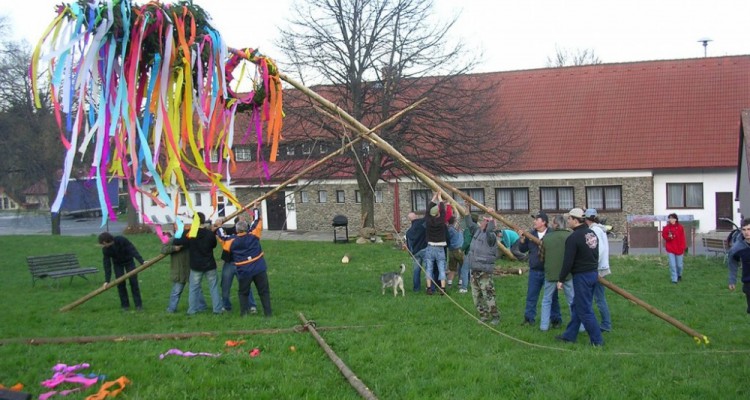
[(196, 277), (463, 274), (418, 261), (174, 298), (601, 304), (434, 256), (583, 285), (536, 283), (228, 272), (550, 288), (675, 266)]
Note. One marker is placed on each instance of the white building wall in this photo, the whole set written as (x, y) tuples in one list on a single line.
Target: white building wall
[(713, 182), (163, 215)]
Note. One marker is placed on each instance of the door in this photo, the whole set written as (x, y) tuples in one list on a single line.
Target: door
[(724, 203), (276, 210)]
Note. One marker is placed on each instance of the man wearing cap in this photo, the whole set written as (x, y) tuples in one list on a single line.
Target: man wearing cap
[(581, 260), (536, 272), (592, 220)]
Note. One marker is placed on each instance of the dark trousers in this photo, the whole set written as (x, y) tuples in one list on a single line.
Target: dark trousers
[(261, 283), (122, 290), (746, 290)]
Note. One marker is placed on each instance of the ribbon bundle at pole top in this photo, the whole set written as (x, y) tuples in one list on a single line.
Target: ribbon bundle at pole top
[(143, 92)]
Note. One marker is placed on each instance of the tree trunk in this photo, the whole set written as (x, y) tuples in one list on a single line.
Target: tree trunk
[(55, 223), (132, 214)]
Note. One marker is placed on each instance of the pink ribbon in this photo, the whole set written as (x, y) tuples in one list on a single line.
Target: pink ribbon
[(178, 352)]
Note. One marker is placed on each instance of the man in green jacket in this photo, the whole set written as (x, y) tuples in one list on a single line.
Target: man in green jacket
[(553, 251)]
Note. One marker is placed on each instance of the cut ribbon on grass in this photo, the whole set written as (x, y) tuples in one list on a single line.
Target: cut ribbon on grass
[(178, 352)]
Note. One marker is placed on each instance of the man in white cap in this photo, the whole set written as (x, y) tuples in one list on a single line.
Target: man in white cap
[(592, 220), (581, 255)]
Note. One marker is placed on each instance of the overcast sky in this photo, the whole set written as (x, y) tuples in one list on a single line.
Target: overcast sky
[(512, 34)]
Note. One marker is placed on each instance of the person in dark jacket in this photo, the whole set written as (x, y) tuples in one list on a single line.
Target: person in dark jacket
[(582, 260), (416, 243), (247, 256), (437, 241), (229, 271), (202, 263), (536, 272), (119, 253), (740, 254), (482, 255)]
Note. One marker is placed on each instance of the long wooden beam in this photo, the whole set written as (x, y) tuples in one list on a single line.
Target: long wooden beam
[(271, 192), (439, 185)]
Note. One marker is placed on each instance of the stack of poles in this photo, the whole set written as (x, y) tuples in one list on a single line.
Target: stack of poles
[(430, 180)]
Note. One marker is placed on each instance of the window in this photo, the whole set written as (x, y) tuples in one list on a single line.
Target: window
[(604, 197), (220, 206), (420, 199), (684, 195), (357, 197), (290, 150), (378, 196), (322, 196), (557, 198), (340, 196), (306, 149), (183, 200), (512, 199), (304, 197), (198, 199), (323, 148), (476, 194), (243, 153), (213, 155)]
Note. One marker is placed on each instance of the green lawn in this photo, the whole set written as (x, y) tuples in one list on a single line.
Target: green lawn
[(415, 347)]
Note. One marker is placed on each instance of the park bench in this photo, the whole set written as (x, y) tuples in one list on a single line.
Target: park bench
[(717, 246), (56, 266)]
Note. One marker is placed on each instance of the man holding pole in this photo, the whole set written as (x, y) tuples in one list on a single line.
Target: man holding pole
[(581, 259)]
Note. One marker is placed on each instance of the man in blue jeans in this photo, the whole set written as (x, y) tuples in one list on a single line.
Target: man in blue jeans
[(416, 243), (536, 272), (581, 260), (229, 270)]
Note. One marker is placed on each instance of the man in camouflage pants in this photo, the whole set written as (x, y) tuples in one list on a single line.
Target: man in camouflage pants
[(481, 256)]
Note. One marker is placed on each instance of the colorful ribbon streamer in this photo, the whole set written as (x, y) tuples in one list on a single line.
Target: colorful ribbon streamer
[(144, 92), (178, 352)]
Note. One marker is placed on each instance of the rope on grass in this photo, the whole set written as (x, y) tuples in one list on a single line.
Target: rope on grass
[(169, 336), (360, 387)]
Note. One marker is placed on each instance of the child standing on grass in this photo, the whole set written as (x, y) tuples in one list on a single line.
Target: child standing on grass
[(674, 239), (740, 251)]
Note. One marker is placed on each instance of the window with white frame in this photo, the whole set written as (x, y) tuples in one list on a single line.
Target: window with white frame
[(512, 199), (357, 197), (213, 155), (608, 198), (243, 153), (322, 196), (685, 195), (290, 150), (306, 149), (304, 196), (476, 194), (420, 199), (198, 199), (340, 196), (378, 196), (560, 199), (322, 147), (183, 200)]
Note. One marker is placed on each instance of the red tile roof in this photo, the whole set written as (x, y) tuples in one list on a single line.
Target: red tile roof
[(631, 116), (643, 115)]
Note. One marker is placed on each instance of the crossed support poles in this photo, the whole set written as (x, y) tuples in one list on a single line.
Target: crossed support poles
[(429, 179)]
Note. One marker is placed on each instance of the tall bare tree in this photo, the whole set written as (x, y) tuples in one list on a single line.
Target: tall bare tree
[(31, 151), (566, 58), (375, 57)]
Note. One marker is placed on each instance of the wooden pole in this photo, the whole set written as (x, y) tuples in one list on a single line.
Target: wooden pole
[(356, 383), (699, 338), (165, 336), (284, 184), (432, 181)]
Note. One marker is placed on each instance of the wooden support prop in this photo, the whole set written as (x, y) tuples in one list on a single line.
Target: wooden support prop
[(166, 336), (437, 184), (506, 251), (363, 390), (699, 338), (284, 184)]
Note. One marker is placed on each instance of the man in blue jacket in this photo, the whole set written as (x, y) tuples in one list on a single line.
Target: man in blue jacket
[(536, 272)]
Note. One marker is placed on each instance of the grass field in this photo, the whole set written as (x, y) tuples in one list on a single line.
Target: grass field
[(415, 347)]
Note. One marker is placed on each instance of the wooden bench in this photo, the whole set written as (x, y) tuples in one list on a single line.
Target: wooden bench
[(57, 266), (717, 246)]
